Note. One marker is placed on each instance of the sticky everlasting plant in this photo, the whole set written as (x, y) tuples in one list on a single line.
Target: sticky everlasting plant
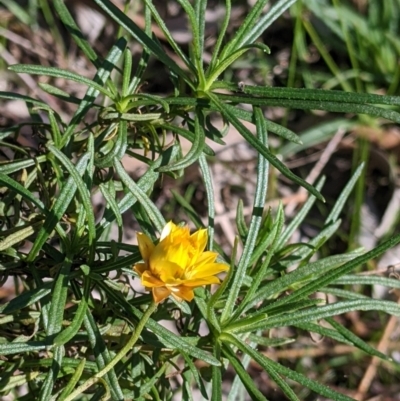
[(77, 328)]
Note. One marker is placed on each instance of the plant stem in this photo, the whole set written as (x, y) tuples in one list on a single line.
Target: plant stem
[(128, 346)]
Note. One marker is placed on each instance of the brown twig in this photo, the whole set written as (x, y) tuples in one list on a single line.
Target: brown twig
[(375, 361)]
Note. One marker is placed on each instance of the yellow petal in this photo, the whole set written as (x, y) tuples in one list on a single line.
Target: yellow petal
[(182, 292), (167, 260), (167, 230), (140, 268), (198, 282), (199, 240), (178, 253), (179, 235), (146, 246), (206, 270), (160, 293), (207, 257), (150, 281), (169, 271)]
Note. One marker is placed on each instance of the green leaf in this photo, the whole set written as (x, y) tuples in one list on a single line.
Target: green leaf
[(60, 94), (336, 273), (312, 271), (269, 235), (168, 338), (238, 390), (26, 99), (118, 150), (196, 375), (141, 37), (58, 73), (9, 382), (292, 306), (299, 217), (357, 341), (246, 324), (221, 37), (18, 11), (245, 27), (127, 71), (247, 135), (188, 208), (315, 95), (147, 388), (200, 23), (190, 136), (145, 183), (341, 200), (277, 129), (323, 332), (208, 184), (82, 188), (216, 375), (197, 148), (137, 117), (60, 206), (19, 235), (168, 35), (25, 299), (319, 312), (197, 29), (255, 223), (276, 368), (73, 380), (360, 279), (101, 78), (333, 106), (246, 379), (75, 32), (312, 246), (226, 62), (141, 196), (341, 293), (12, 167), (112, 205), (101, 353), (240, 221), (227, 280), (255, 31), (48, 385), (19, 189), (270, 342), (68, 333), (59, 298), (19, 348)]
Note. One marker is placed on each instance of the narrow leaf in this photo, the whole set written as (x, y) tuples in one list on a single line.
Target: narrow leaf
[(67, 334), (248, 136), (58, 73), (255, 223), (59, 208), (140, 195)]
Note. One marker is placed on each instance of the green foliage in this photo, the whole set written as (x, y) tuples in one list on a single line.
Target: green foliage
[(54, 244)]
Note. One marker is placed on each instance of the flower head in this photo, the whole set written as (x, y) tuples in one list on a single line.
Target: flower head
[(177, 264)]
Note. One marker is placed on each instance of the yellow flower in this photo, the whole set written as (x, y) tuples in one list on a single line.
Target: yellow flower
[(177, 264)]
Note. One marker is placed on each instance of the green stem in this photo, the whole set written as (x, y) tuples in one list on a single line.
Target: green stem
[(128, 346)]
